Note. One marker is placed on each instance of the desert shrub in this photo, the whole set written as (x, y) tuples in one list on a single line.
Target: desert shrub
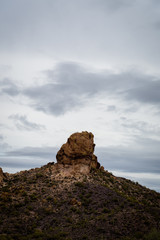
[(127, 238), (24, 178), (5, 237), (69, 219), (24, 193), (49, 198), (60, 235), (31, 181), (16, 179), (79, 184), (82, 223), (85, 237), (48, 210), (38, 233), (55, 201), (101, 217), (138, 235), (33, 196), (105, 210), (73, 209), (86, 202), (39, 175), (153, 235)]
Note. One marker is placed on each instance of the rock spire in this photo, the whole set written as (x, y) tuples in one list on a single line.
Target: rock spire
[(78, 149)]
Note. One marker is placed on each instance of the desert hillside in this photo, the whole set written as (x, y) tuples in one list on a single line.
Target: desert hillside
[(76, 198)]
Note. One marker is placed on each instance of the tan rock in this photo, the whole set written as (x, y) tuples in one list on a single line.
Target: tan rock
[(66, 170), (79, 150), (74, 202), (2, 175)]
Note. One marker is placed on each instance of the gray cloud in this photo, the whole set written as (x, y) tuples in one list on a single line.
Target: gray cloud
[(3, 145), (111, 5), (148, 93), (111, 108), (4, 126), (26, 158), (141, 127), (4, 69), (22, 123), (8, 87), (70, 86), (1, 137), (141, 157), (35, 152)]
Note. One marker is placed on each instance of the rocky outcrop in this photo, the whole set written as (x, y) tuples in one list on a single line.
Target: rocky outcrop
[(78, 150), (2, 175)]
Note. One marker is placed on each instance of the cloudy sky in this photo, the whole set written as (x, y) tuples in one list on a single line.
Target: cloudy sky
[(68, 66)]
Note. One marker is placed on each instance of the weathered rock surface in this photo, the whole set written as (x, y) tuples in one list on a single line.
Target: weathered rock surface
[(2, 175), (78, 150)]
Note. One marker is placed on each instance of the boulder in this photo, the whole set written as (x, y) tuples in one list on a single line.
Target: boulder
[(78, 149)]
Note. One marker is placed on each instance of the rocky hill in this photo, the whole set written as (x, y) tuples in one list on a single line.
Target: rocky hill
[(76, 199)]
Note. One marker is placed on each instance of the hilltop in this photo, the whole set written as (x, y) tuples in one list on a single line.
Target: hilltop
[(76, 198)]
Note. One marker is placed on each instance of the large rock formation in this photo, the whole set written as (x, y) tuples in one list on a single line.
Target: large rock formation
[(78, 150)]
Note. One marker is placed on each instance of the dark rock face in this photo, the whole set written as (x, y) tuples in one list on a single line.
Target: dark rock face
[(78, 149)]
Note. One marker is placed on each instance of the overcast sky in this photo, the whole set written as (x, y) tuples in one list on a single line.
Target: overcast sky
[(76, 65)]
